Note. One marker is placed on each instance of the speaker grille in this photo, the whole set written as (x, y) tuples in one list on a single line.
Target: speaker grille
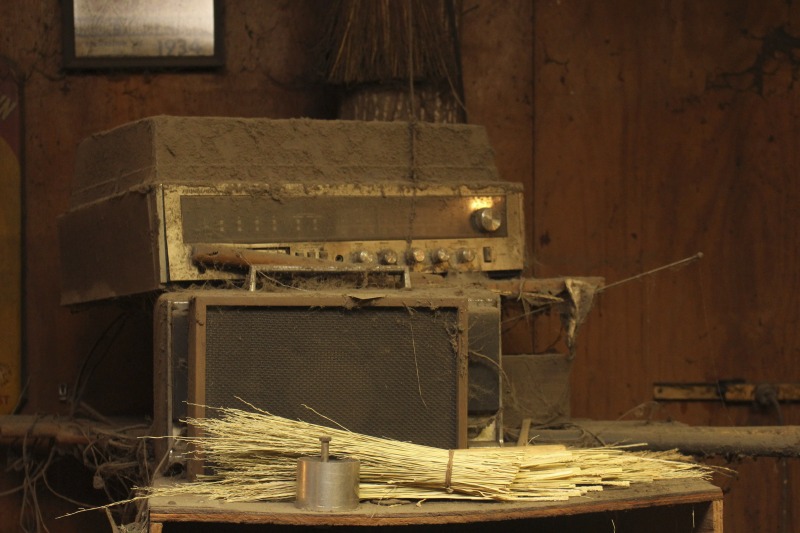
[(388, 371)]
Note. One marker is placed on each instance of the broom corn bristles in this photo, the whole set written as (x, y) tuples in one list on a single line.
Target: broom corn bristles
[(254, 455)]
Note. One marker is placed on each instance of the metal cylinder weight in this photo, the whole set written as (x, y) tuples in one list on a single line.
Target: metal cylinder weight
[(325, 483)]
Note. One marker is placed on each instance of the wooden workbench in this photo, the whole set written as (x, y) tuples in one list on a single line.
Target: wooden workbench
[(674, 506)]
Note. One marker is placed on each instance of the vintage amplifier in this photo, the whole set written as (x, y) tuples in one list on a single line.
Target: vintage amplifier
[(148, 194), (404, 364)]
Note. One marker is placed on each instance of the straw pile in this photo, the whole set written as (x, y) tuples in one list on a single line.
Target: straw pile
[(255, 454)]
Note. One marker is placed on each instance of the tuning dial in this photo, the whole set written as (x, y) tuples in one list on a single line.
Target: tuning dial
[(440, 255), (487, 219), (363, 256), (466, 255), (416, 255), (388, 257)]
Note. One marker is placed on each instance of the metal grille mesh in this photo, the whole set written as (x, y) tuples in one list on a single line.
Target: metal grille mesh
[(383, 371)]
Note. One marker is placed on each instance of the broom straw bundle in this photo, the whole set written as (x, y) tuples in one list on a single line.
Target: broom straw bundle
[(369, 41), (257, 445), (255, 456)]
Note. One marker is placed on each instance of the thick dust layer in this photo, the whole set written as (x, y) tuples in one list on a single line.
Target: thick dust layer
[(215, 150)]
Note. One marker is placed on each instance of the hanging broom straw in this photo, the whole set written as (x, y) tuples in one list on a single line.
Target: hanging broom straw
[(368, 41), (394, 59), (254, 455)]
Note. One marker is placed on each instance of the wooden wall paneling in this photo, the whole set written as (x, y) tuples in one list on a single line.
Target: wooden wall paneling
[(496, 51), (587, 188), (10, 236), (645, 135)]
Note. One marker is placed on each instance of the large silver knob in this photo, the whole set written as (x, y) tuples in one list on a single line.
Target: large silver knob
[(487, 219)]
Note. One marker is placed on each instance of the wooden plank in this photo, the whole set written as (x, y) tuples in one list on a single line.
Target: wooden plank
[(729, 392), (524, 429), (756, 441), (664, 493), (10, 238), (711, 520), (63, 431), (156, 527), (514, 288)]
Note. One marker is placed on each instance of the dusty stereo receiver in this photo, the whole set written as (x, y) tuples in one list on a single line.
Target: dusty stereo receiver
[(408, 365), (147, 194)]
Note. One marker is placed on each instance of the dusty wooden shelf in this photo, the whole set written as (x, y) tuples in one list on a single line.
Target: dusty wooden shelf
[(641, 496)]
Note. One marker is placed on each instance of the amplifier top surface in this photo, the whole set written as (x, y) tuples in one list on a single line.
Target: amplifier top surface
[(212, 150)]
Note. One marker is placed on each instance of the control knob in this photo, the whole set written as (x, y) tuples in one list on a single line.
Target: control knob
[(466, 255), (487, 219), (363, 256), (440, 255), (388, 257), (416, 255)]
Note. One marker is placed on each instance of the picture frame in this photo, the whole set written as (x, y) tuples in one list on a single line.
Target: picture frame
[(142, 34)]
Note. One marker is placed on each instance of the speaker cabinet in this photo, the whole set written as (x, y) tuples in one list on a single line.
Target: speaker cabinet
[(391, 364)]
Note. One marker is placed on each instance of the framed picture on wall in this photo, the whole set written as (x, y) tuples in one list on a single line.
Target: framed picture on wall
[(110, 34)]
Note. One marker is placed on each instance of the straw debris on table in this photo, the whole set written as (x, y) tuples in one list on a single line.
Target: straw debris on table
[(254, 455)]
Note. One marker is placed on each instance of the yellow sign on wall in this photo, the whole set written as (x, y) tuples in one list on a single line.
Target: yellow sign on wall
[(10, 240)]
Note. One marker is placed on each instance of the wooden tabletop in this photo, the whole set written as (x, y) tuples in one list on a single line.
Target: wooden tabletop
[(661, 493)]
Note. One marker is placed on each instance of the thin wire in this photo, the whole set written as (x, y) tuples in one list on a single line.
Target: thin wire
[(676, 264), (538, 309), (112, 463)]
